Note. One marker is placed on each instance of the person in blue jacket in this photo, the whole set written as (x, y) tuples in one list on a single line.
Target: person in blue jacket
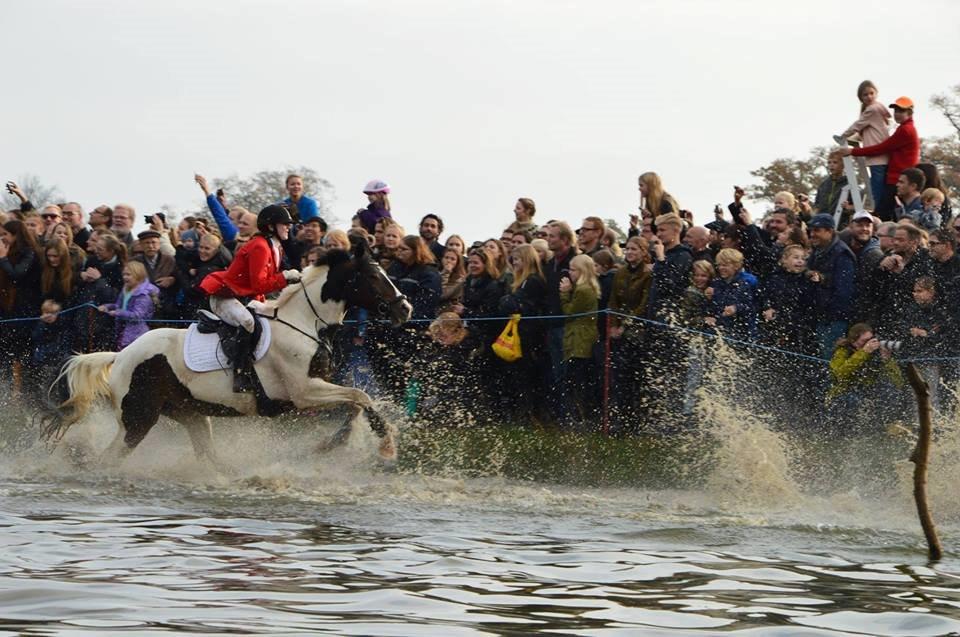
[(733, 300), (228, 228), (832, 266), (301, 206)]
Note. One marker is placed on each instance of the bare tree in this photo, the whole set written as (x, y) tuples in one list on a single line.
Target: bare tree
[(949, 105), (613, 225), (269, 186), (789, 174)]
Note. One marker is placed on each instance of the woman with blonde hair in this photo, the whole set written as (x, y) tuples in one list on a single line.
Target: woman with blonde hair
[(654, 199), (393, 234), (543, 250), (579, 298), (629, 293), (528, 298), (456, 242), (337, 239), (498, 252)]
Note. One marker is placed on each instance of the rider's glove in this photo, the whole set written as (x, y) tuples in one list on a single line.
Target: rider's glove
[(292, 276)]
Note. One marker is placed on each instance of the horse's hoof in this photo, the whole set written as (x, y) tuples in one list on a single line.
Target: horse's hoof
[(387, 450)]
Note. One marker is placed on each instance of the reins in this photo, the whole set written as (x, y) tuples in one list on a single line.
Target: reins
[(400, 298), (319, 319)]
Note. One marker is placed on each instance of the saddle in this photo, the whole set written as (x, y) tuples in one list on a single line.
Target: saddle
[(237, 344)]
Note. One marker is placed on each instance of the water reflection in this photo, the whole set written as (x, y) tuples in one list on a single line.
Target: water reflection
[(78, 560)]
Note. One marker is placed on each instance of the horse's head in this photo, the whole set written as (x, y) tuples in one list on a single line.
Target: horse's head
[(359, 281)]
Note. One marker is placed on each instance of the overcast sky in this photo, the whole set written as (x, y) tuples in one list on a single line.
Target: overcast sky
[(461, 106)]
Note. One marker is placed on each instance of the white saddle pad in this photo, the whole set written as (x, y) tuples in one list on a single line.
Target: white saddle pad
[(202, 352)]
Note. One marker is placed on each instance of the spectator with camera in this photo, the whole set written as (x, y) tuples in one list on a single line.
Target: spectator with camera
[(865, 382)]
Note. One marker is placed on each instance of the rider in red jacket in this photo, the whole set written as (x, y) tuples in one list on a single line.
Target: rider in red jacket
[(254, 273)]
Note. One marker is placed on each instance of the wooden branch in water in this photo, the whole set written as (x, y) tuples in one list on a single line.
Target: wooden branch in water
[(919, 459)]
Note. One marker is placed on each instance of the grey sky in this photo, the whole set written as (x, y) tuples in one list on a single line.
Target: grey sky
[(461, 106)]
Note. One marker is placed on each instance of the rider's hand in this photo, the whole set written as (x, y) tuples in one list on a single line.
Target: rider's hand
[(292, 276)]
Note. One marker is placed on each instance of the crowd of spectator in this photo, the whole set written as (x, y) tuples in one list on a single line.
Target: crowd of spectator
[(821, 300)]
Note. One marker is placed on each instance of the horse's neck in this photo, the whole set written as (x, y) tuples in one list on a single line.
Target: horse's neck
[(330, 312)]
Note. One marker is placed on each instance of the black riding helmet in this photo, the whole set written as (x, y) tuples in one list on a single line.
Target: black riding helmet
[(272, 215)]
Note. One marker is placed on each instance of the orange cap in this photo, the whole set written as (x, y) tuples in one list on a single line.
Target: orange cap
[(903, 102)]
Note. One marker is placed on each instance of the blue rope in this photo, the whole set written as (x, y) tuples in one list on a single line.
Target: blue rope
[(548, 317)]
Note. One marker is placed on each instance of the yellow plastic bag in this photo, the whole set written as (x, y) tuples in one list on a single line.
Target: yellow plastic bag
[(507, 345)]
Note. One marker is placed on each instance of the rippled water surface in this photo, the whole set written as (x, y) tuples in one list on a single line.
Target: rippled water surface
[(296, 544)]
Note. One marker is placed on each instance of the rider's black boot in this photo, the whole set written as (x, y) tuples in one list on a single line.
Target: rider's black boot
[(243, 361)]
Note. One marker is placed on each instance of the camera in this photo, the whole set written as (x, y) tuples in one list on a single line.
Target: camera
[(149, 218), (891, 346)]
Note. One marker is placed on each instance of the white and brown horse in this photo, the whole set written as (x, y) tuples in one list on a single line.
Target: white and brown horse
[(149, 378)]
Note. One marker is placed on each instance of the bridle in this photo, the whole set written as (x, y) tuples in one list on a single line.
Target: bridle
[(322, 325), (383, 307)]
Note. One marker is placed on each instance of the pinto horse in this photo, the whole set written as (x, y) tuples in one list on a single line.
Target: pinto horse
[(149, 378)]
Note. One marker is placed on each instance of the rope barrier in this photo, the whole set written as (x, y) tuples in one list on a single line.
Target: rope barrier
[(547, 317)]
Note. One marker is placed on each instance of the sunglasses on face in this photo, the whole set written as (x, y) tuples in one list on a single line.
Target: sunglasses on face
[(50, 216)]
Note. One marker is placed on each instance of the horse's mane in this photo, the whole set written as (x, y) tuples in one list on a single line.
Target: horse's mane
[(323, 265)]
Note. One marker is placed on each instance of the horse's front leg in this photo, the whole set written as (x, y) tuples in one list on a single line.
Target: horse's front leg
[(319, 393)]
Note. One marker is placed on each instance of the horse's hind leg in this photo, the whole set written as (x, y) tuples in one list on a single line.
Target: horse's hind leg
[(200, 429), (116, 451), (201, 435)]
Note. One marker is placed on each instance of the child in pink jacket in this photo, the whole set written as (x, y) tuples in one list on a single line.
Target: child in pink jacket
[(872, 127)]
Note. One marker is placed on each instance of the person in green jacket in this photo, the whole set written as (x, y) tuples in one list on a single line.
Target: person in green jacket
[(629, 294), (579, 296), (866, 382)]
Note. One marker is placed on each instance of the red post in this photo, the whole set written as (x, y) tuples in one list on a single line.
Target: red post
[(606, 379)]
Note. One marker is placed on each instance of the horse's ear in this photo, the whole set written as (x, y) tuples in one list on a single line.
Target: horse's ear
[(359, 247)]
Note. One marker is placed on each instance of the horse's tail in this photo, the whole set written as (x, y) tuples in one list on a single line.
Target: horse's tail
[(82, 381)]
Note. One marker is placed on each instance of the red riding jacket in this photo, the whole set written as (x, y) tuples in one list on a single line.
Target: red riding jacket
[(255, 272)]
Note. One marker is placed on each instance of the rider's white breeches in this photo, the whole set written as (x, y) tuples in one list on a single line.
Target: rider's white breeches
[(232, 312)]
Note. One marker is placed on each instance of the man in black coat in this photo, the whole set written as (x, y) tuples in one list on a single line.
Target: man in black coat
[(898, 273)]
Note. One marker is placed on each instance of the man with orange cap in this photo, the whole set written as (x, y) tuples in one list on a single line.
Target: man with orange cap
[(904, 150)]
